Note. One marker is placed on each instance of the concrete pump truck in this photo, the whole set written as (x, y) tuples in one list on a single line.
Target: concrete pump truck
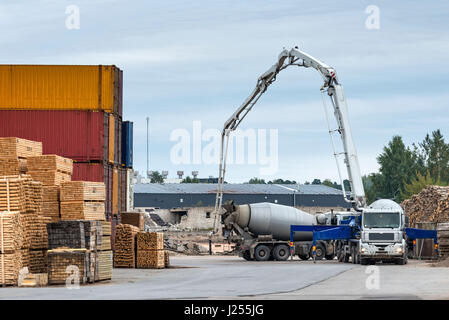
[(265, 231)]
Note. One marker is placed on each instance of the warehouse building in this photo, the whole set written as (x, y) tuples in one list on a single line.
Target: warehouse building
[(185, 195)]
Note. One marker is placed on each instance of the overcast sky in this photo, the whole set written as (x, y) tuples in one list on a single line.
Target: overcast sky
[(186, 61)]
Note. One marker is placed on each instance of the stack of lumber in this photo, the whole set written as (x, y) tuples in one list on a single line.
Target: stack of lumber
[(10, 265), (82, 211), (83, 200), (38, 261), (51, 170), (66, 234), (13, 167), (150, 250), (15, 148), (62, 261), (38, 232), (104, 265), (167, 259), (430, 205), (105, 242), (50, 202), (12, 195), (133, 218), (10, 232), (443, 240), (125, 246), (92, 234)]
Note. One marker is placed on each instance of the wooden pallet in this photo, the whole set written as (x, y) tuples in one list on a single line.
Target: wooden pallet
[(13, 148), (83, 191), (50, 193), (69, 234), (150, 259), (33, 280), (50, 177), (150, 241), (50, 162), (83, 210)]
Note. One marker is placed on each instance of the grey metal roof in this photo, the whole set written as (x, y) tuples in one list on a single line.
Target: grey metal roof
[(203, 188)]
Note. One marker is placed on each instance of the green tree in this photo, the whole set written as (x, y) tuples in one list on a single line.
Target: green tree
[(398, 166), (256, 181), (156, 177), (316, 181), (418, 183), (189, 180), (434, 157), (328, 182)]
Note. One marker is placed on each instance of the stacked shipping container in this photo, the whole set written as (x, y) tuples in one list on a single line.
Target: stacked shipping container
[(76, 111)]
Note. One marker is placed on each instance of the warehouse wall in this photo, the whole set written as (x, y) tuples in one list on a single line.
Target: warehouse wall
[(171, 200)]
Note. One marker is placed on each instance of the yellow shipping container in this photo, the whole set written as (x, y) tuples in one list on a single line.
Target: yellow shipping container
[(60, 87)]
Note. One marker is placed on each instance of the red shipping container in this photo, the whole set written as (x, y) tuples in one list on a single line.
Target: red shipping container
[(96, 172), (78, 135)]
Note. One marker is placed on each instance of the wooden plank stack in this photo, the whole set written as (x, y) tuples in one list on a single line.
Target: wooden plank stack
[(10, 265), (133, 218), (87, 210), (104, 266), (125, 246), (66, 234), (443, 240), (430, 205), (60, 261), (15, 148), (150, 250), (50, 202), (13, 167), (51, 170), (83, 200)]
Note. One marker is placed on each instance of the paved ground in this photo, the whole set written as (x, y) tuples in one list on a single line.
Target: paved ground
[(234, 278)]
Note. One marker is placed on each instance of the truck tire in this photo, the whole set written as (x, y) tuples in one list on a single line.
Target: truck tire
[(364, 261), (304, 257), (247, 255), (330, 256), (262, 253), (281, 252), (320, 252), (400, 261)]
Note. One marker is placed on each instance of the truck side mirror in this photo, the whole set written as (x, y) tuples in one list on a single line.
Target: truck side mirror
[(406, 221)]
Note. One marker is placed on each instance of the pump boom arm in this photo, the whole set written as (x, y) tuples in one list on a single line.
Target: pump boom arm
[(334, 90)]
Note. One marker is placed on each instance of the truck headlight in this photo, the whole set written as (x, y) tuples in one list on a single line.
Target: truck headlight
[(363, 250), (399, 250)]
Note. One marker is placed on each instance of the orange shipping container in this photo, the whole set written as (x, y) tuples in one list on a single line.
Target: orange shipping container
[(61, 87)]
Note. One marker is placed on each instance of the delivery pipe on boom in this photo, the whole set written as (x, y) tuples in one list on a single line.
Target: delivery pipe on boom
[(296, 57)]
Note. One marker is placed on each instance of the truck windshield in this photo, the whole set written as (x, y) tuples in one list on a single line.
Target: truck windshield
[(381, 220)]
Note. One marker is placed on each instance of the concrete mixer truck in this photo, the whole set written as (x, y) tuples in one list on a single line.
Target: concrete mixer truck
[(266, 231)]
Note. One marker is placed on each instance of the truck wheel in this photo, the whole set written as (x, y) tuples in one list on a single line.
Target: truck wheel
[(320, 252), (364, 261), (247, 256), (400, 261), (304, 257), (281, 252), (346, 258), (262, 253)]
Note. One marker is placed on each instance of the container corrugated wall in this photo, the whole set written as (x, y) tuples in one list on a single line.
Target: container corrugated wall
[(79, 135), (52, 87), (127, 144)]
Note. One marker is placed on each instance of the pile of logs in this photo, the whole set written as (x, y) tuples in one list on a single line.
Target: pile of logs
[(150, 250), (430, 205)]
